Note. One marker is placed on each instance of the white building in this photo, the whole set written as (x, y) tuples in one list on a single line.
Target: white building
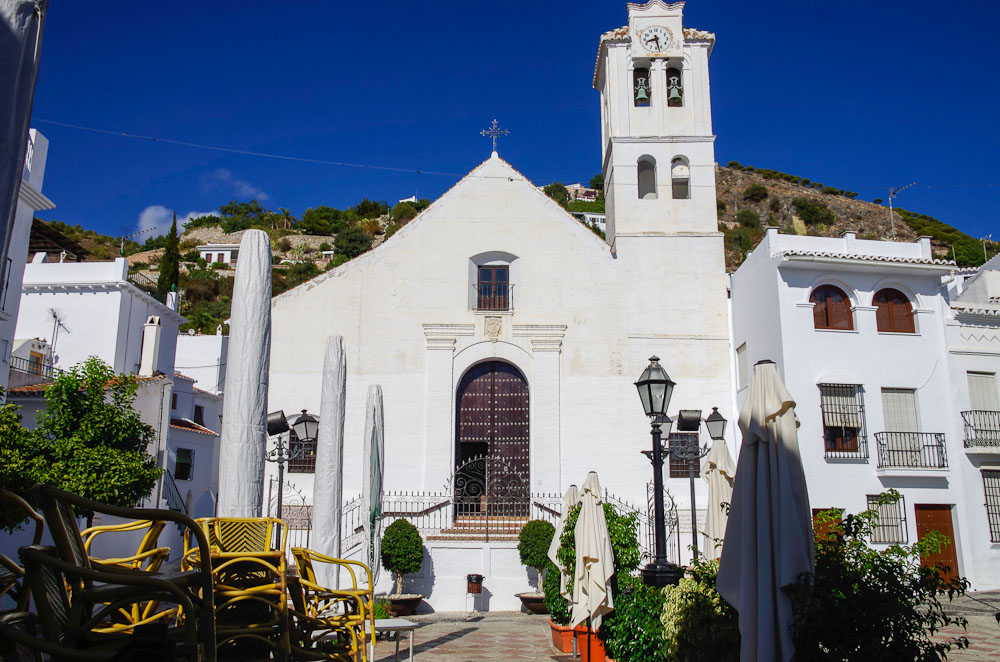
[(203, 357), (29, 200), (224, 253), (193, 449), (876, 359), (498, 325)]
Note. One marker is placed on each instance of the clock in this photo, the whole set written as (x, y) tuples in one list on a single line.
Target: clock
[(656, 39)]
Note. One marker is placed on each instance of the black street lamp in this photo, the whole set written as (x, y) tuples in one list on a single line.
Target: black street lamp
[(305, 427), (655, 388)]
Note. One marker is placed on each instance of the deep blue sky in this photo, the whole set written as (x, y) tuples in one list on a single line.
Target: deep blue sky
[(858, 95)]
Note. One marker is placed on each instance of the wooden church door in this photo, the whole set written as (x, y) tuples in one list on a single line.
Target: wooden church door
[(492, 423)]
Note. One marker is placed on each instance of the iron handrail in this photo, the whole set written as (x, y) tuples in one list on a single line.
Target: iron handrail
[(30, 367), (982, 428), (172, 495), (911, 449)]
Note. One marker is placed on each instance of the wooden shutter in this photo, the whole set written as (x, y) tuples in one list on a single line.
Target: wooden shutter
[(832, 309), (893, 312), (899, 410), (983, 391)]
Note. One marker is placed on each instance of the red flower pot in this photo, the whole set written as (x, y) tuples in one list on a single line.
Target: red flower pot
[(588, 645), (562, 637)]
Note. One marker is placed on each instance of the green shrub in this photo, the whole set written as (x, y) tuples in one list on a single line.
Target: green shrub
[(755, 193), (557, 191), (556, 604), (748, 218), (325, 246), (877, 201), (403, 212), (720, 207), (284, 244), (698, 625), (634, 632), (775, 205), (735, 165), (336, 261), (533, 545), (402, 550), (868, 604), (624, 539), (381, 608), (813, 212), (352, 242), (191, 256)]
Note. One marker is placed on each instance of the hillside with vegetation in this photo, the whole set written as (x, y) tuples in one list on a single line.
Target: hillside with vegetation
[(749, 199)]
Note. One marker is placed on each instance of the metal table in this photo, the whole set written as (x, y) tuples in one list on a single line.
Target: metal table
[(391, 625)]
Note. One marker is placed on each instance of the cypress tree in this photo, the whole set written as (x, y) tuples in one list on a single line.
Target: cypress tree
[(170, 263)]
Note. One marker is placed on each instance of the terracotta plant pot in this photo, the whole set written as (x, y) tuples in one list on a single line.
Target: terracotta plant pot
[(404, 605), (562, 637), (595, 652), (534, 603)]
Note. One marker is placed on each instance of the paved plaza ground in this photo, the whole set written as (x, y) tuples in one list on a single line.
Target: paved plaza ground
[(456, 637)]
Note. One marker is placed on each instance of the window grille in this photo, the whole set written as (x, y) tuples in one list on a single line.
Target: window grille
[(680, 468), (843, 408), (991, 484), (184, 464), (493, 288), (305, 463), (891, 525)]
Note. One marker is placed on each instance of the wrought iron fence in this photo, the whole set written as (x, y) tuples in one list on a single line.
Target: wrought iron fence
[(31, 367), (911, 449), (171, 494), (494, 296), (982, 428), (141, 281)]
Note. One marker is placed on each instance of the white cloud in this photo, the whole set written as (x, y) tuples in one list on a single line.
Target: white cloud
[(157, 218), (223, 178)]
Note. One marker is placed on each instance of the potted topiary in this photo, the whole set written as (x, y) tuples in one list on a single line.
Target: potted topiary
[(402, 554), (559, 610), (533, 546)]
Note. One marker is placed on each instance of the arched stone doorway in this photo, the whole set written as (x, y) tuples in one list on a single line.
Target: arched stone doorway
[(492, 423)]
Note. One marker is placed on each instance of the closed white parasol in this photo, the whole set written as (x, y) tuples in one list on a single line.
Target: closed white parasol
[(595, 561), (768, 542), (329, 476), (373, 469), (570, 499), (719, 471)]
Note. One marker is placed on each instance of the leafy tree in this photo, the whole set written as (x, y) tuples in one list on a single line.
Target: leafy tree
[(634, 633), (325, 246), (238, 216), (207, 221), (597, 183), (533, 545), (868, 604), (402, 550), (748, 218), (877, 201), (322, 220), (169, 263), (372, 226), (755, 193), (403, 212), (152, 243), (812, 213), (557, 192), (370, 208), (89, 440), (697, 624), (422, 204), (352, 242)]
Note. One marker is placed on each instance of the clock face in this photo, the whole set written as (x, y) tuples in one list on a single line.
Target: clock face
[(656, 39)]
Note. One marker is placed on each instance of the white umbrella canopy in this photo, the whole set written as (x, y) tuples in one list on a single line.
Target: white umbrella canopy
[(768, 541), (719, 471), (329, 473), (570, 499), (373, 469), (595, 561)]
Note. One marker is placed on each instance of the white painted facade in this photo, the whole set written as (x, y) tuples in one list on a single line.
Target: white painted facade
[(29, 200), (585, 318), (225, 253), (204, 357), (773, 318)]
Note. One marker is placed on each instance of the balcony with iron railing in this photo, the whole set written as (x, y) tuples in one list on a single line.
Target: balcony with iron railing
[(911, 450), (982, 430), (494, 296), (31, 367)]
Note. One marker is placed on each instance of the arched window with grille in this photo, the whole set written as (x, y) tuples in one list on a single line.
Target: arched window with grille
[(893, 312), (832, 309), (647, 178)]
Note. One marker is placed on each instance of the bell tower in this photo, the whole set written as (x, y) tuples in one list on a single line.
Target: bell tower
[(656, 125)]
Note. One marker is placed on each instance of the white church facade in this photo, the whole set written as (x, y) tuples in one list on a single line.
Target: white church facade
[(498, 326)]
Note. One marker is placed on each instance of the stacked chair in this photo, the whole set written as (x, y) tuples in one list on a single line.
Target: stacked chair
[(247, 557), (12, 582), (329, 624), (87, 609)]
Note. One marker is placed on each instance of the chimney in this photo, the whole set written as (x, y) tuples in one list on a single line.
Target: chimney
[(150, 347)]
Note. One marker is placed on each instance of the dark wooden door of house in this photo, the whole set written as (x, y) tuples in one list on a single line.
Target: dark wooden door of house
[(937, 517), (492, 423)]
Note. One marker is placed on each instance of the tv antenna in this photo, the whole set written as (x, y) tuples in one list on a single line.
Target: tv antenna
[(57, 323), (121, 250), (983, 241), (893, 192)]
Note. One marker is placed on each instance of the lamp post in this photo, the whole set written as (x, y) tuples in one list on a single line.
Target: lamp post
[(305, 427), (655, 388)]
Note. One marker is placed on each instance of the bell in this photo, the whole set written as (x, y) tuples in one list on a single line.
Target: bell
[(675, 95), (640, 94)]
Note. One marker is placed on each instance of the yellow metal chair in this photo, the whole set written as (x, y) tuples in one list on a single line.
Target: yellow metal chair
[(330, 609), (248, 572)]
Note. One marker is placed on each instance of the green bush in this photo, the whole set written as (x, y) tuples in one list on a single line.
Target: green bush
[(556, 604), (698, 625), (533, 545), (812, 212), (624, 539), (557, 191), (403, 212), (402, 550), (755, 193), (284, 244), (191, 256), (352, 242), (747, 218), (868, 604), (775, 205), (381, 609), (634, 633), (325, 246)]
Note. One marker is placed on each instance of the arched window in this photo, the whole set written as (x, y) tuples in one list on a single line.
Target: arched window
[(893, 312), (680, 178), (647, 178), (832, 309), (641, 89), (675, 88)]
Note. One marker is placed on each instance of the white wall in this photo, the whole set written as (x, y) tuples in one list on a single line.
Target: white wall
[(203, 357)]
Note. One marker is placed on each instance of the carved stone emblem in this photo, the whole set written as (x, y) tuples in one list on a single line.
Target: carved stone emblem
[(493, 327)]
